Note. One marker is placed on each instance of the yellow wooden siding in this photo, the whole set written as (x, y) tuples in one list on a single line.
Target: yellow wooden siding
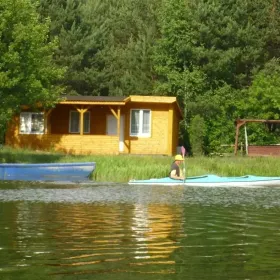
[(88, 144), (73, 144), (157, 143), (68, 143), (163, 140), (175, 130)]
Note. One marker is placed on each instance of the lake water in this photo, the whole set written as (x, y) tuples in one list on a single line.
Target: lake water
[(113, 231)]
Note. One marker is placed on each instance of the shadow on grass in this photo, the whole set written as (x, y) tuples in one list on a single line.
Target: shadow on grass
[(24, 156)]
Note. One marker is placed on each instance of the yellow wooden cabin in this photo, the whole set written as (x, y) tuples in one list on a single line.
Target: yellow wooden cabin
[(100, 125)]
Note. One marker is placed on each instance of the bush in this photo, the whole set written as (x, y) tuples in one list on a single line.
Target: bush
[(197, 135)]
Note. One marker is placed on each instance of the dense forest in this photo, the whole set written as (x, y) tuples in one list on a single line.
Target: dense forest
[(220, 58)]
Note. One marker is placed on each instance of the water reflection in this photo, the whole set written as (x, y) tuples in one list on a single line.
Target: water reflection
[(79, 238), (157, 230), (129, 234)]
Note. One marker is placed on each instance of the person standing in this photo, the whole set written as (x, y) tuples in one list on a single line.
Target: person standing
[(175, 170)]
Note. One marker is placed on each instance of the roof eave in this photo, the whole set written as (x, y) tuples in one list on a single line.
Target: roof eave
[(92, 103)]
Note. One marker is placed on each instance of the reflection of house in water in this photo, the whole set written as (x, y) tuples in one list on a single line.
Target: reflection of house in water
[(157, 230), (99, 238)]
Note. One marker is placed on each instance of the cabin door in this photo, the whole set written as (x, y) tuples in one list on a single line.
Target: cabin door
[(112, 129)]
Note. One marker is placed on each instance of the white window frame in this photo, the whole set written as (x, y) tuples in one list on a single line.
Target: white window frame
[(140, 133), (25, 119), (78, 131)]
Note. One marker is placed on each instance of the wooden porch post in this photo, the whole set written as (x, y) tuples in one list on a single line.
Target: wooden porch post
[(118, 117), (119, 121), (82, 122), (82, 111)]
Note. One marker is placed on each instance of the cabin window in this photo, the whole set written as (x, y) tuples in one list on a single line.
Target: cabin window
[(31, 123), (74, 125), (86, 122), (140, 122)]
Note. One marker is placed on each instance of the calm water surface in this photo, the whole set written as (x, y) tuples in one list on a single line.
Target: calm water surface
[(111, 231)]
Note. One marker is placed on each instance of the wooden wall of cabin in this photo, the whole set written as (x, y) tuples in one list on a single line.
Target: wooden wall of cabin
[(63, 142), (157, 143), (175, 130), (163, 139)]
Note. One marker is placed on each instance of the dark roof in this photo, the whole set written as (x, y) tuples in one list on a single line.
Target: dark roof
[(95, 98)]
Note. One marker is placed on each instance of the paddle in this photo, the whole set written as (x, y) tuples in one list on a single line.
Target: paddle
[(183, 151)]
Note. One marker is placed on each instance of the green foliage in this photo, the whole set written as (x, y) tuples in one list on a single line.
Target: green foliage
[(106, 44), (210, 52), (262, 101), (28, 74), (66, 25), (128, 47), (222, 38), (207, 54), (197, 135), (263, 98), (219, 58)]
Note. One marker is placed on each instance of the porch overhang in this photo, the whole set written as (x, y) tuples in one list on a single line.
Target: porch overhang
[(157, 99), (94, 100)]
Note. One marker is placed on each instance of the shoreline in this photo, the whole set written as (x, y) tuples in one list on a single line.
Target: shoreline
[(122, 168)]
